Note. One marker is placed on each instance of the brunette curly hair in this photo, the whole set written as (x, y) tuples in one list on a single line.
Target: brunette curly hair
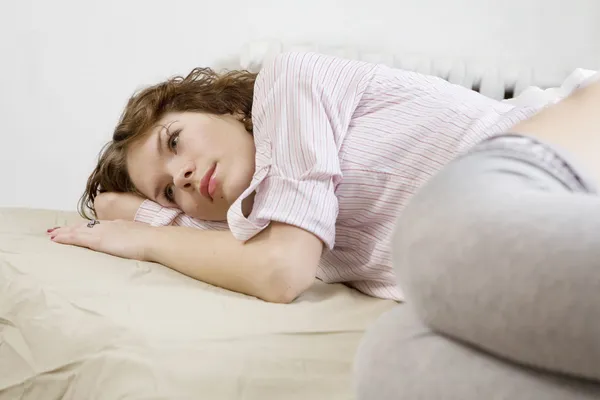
[(202, 90)]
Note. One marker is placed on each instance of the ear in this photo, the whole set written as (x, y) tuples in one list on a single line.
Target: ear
[(239, 116)]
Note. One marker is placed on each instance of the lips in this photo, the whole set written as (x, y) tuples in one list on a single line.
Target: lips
[(208, 183)]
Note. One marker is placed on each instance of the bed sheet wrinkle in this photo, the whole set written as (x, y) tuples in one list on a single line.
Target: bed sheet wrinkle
[(140, 270), (84, 325), (38, 314)]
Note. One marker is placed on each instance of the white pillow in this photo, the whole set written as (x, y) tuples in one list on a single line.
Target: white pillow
[(535, 96)]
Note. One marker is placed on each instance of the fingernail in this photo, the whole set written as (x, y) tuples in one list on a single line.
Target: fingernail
[(51, 229), (52, 237)]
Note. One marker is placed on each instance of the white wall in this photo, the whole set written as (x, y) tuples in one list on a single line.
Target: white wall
[(68, 66)]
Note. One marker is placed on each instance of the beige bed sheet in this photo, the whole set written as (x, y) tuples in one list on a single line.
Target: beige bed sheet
[(76, 324)]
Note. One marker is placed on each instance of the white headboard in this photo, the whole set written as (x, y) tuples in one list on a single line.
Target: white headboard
[(498, 48), (496, 81)]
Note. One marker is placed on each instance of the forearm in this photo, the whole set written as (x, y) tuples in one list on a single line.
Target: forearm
[(253, 268)]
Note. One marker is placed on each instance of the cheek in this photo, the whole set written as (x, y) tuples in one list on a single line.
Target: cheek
[(203, 210), (203, 144), (189, 205), (194, 207)]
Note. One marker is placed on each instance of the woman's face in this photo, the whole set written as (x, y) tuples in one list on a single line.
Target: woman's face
[(199, 163)]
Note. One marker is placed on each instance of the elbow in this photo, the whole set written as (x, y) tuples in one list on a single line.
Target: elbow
[(103, 203), (286, 280), (280, 293)]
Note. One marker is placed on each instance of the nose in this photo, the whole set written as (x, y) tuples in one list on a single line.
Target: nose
[(184, 178)]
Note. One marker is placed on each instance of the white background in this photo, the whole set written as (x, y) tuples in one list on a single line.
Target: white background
[(67, 67)]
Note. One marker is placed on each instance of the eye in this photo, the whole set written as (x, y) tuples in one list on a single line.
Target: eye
[(173, 140), (169, 194)]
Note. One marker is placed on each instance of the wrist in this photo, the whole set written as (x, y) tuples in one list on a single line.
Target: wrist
[(150, 240)]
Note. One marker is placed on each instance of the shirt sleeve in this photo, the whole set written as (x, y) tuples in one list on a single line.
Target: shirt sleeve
[(154, 214), (303, 105)]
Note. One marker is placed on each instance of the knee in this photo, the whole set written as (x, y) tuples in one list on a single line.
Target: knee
[(372, 375), (399, 358), (430, 245), (383, 363), (422, 233)]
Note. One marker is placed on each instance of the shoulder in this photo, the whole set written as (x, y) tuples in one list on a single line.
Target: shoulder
[(302, 67), (289, 65)]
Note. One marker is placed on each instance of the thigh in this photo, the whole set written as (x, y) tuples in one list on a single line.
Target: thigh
[(400, 358), (499, 253)]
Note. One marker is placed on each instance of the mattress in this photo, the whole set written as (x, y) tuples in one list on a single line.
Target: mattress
[(75, 324)]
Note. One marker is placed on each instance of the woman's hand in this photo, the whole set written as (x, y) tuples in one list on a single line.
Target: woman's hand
[(113, 206), (124, 239)]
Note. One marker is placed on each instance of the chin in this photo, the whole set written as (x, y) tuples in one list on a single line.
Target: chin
[(230, 194)]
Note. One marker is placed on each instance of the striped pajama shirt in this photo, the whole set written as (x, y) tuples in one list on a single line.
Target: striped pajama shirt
[(341, 147)]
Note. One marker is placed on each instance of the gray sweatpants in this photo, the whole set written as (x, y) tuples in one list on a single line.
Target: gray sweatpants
[(499, 257)]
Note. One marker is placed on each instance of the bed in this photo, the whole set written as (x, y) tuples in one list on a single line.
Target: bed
[(75, 324)]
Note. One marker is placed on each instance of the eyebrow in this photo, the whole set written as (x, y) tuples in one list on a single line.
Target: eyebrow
[(159, 140)]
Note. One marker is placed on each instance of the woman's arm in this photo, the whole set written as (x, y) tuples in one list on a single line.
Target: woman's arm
[(112, 206), (276, 265), (129, 207)]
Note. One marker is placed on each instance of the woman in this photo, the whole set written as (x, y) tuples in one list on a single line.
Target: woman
[(259, 184), (299, 172)]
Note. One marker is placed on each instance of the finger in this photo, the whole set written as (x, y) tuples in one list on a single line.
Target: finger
[(61, 230), (74, 238)]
